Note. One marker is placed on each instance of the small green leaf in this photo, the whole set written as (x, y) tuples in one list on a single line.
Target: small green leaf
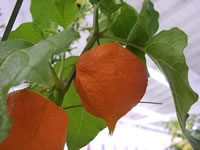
[(147, 24), (166, 50), (23, 63), (83, 127), (64, 12), (123, 20), (41, 10), (108, 6), (145, 27), (27, 31)]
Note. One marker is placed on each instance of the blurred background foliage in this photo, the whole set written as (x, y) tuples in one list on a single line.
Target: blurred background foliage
[(178, 140)]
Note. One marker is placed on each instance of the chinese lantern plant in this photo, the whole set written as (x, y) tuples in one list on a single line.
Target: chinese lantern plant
[(101, 86)]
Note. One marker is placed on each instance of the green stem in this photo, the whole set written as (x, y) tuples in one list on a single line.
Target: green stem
[(51, 91), (12, 20), (144, 102), (60, 73), (75, 106), (95, 19), (122, 41), (70, 76), (94, 37), (58, 83), (59, 97)]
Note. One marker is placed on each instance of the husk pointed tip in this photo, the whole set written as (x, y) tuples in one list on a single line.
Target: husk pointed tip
[(111, 126)]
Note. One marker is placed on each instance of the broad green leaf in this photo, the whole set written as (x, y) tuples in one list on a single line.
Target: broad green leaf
[(9, 47), (123, 21), (6, 49), (166, 50), (64, 12), (41, 10), (28, 64), (145, 27), (27, 31), (83, 127), (108, 7)]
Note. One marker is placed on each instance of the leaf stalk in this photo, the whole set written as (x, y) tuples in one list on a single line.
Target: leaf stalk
[(103, 36), (67, 81)]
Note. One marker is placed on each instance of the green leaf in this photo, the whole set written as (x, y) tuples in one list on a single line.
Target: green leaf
[(83, 127), (23, 63), (41, 10), (145, 27), (64, 12), (27, 31), (166, 50), (123, 20), (6, 49), (94, 1), (147, 24), (108, 7)]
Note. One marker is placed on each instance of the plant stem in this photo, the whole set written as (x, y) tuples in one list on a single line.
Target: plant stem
[(94, 37), (51, 91), (69, 107), (69, 78), (122, 41), (72, 106), (150, 102), (12, 20), (60, 73), (95, 19), (58, 83)]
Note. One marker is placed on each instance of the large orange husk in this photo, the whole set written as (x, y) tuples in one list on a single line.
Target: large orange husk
[(38, 124), (110, 80)]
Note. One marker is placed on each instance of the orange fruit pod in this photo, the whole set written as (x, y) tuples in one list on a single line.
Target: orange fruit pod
[(110, 81), (38, 124)]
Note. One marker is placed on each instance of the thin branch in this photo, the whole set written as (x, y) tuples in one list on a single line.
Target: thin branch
[(122, 41), (95, 19), (58, 83), (95, 34), (61, 69), (98, 42), (12, 20), (51, 91), (69, 107), (150, 103), (75, 106)]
